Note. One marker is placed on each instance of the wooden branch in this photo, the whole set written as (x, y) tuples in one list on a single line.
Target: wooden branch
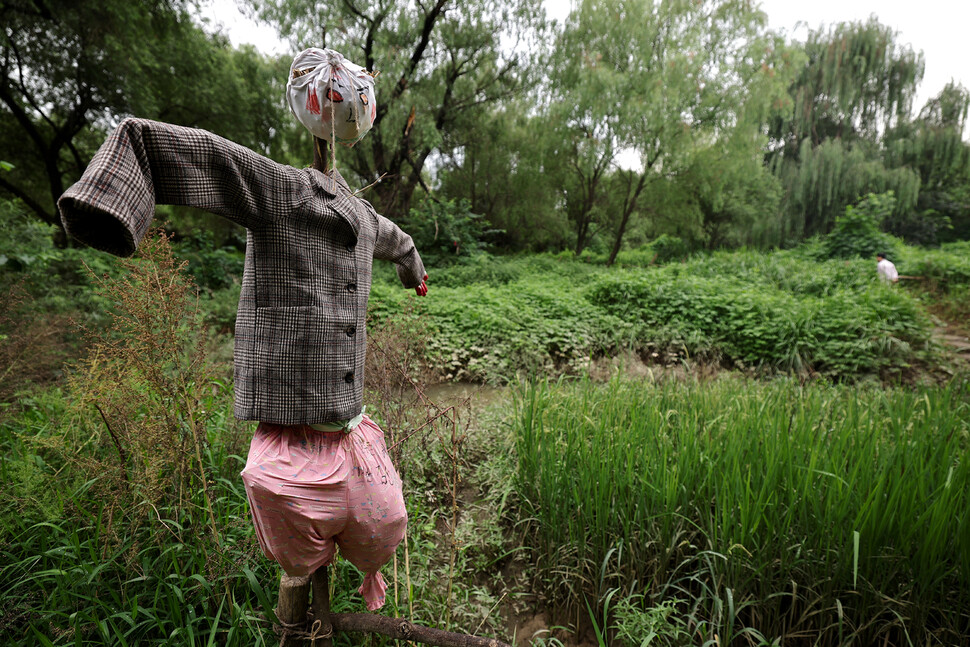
[(321, 160), (404, 630), (29, 202), (427, 27)]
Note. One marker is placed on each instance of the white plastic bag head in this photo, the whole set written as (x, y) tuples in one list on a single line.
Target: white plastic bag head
[(331, 96)]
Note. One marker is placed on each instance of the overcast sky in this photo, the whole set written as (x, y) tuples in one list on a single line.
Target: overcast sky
[(938, 28)]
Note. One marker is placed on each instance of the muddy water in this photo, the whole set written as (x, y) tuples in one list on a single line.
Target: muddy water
[(448, 394)]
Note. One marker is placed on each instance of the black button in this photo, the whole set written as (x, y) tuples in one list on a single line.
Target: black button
[(349, 378), (351, 330), (350, 247), (351, 287)]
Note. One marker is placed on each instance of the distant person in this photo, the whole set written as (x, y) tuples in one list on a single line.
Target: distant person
[(885, 269)]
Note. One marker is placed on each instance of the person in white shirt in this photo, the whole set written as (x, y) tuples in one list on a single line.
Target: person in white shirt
[(885, 269)]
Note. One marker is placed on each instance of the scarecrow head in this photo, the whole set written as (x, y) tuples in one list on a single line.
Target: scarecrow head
[(330, 96)]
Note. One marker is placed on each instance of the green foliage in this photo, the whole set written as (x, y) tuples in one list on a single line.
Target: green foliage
[(943, 279), (857, 79), (932, 144), (663, 249), (786, 311), (775, 313), (510, 171), (492, 333), (948, 266), (858, 233), (211, 268), (447, 232), (637, 626), (91, 63), (858, 82), (747, 510), (663, 80)]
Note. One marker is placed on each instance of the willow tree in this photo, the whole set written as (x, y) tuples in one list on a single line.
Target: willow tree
[(857, 83), (661, 79), (442, 64), (933, 146)]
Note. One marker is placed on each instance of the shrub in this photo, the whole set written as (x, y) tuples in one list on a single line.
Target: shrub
[(857, 233), (211, 268), (446, 231), (774, 314), (142, 391)]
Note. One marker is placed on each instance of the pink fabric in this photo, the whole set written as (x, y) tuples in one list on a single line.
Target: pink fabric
[(311, 491)]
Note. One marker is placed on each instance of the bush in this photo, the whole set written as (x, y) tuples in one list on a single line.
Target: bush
[(445, 232), (211, 268), (777, 314), (857, 233), (494, 333)]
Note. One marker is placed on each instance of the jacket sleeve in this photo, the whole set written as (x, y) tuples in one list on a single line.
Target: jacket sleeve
[(144, 163), (396, 246)]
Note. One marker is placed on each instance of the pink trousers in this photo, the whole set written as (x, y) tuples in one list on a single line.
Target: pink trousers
[(311, 491)]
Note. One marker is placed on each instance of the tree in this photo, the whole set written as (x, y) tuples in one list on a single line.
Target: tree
[(857, 82), (932, 145), (442, 65), (662, 79), (508, 169), (70, 69)]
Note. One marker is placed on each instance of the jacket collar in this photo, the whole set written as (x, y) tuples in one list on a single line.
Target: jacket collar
[(334, 184)]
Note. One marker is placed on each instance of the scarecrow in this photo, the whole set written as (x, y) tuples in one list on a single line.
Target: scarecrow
[(318, 475)]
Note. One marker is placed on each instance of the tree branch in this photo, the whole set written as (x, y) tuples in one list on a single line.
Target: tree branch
[(32, 204), (427, 27)]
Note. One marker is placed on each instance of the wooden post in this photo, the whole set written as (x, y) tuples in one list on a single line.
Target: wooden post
[(321, 159), (291, 607), (320, 581)]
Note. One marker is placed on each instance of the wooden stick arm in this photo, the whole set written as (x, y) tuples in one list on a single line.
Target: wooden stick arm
[(404, 630)]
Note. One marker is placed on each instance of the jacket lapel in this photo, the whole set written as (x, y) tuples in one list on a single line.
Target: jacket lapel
[(346, 207)]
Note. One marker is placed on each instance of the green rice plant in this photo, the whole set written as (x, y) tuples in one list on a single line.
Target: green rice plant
[(764, 504)]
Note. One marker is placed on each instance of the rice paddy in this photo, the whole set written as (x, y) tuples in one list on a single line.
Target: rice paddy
[(804, 514)]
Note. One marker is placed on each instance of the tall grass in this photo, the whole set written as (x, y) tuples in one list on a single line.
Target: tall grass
[(810, 514)]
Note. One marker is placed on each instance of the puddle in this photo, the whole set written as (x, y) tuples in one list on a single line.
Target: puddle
[(447, 394)]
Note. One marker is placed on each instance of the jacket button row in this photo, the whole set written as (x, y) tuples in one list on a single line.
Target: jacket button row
[(351, 287), (351, 330), (349, 378)]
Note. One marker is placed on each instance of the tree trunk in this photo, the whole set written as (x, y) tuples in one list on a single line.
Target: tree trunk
[(628, 207)]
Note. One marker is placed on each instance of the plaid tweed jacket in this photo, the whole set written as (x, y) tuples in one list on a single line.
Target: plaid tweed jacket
[(300, 339)]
